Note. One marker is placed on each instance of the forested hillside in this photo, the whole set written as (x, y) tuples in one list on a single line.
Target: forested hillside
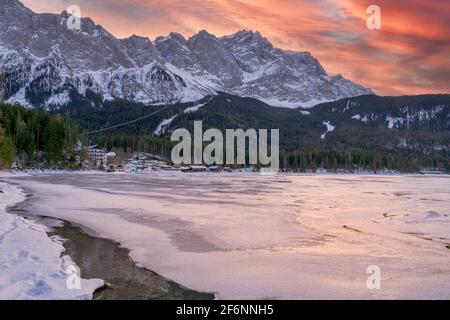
[(38, 139), (404, 133), (367, 132)]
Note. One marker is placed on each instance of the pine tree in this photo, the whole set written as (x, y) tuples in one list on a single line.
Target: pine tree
[(7, 150)]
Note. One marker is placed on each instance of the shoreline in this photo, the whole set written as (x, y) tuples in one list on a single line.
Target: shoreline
[(106, 259), (34, 265), (124, 280), (381, 173), (195, 233)]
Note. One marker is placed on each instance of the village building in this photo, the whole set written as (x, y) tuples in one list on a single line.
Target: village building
[(111, 158), (97, 157), (193, 168)]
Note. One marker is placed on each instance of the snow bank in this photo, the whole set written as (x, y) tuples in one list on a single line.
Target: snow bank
[(429, 224), (429, 216), (45, 172), (31, 266)]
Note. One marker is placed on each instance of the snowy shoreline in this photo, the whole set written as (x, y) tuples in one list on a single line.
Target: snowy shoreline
[(33, 266), (295, 227), (319, 172)]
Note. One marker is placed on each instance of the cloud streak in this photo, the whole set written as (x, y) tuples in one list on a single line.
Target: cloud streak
[(410, 55)]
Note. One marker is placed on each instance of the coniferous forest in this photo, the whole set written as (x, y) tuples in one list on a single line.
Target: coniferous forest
[(353, 145), (38, 139), (57, 138)]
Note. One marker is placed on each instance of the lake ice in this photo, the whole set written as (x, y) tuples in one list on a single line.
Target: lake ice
[(259, 237)]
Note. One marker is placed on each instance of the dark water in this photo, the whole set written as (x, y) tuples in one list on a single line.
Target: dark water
[(105, 259)]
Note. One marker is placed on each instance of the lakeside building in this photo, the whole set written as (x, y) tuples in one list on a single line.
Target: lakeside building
[(145, 162), (431, 172), (97, 158), (111, 158), (115, 168), (194, 169)]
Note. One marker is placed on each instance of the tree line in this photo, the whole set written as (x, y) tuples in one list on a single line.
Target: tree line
[(37, 139), (355, 159), (40, 139), (127, 144)]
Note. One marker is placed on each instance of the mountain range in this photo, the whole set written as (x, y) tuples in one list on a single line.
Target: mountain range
[(236, 81), (45, 64)]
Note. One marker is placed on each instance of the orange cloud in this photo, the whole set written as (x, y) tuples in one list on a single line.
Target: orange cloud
[(409, 55)]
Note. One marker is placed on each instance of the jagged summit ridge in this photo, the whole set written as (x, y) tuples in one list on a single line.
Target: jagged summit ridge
[(40, 56)]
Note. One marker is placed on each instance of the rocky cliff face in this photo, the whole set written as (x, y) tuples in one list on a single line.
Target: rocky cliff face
[(44, 62)]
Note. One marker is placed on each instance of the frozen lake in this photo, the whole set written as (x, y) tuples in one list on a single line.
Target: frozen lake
[(264, 237)]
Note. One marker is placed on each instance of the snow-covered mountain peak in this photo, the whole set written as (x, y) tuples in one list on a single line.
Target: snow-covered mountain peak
[(173, 36), (246, 37), (41, 57), (216, 58), (203, 35), (141, 50), (174, 48)]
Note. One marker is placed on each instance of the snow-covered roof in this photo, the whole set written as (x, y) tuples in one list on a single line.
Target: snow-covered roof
[(95, 146)]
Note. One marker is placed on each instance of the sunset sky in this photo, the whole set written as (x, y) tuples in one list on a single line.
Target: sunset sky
[(409, 55)]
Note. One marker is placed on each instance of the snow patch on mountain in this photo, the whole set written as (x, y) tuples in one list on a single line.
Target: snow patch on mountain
[(162, 127), (393, 122), (19, 98), (60, 99), (330, 128), (195, 108), (360, 118)]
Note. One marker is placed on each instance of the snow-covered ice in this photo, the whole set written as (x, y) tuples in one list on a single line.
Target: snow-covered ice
[(31, 266), (251, 236)]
